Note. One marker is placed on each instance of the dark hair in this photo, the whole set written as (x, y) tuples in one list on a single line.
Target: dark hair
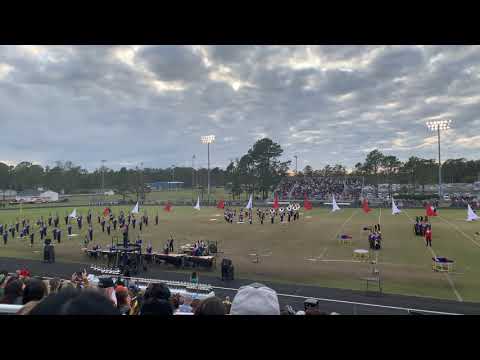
[(13, 290), (89, 302), (176, 301), (54, 284), (156, 307), (158, 292), (211, 306), (35, 289), (122, 296), (53, 303)]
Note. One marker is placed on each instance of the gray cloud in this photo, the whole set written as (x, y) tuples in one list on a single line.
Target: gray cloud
[(151, 104)]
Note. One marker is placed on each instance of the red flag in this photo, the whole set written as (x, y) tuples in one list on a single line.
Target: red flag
[(275, 202), (168, 207), (221, 205), (106, 212), (307, 205), (431, 211), (365, 207)]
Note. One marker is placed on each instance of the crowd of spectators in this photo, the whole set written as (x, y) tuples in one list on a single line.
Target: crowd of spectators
[(320, 188), (463, 200), (79, 296)]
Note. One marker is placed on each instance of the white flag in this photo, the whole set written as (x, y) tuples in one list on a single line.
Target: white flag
[(197, 207), (471, 214), (135, 209), (73, 214), (395, 209), (334, 205), (250, 203)]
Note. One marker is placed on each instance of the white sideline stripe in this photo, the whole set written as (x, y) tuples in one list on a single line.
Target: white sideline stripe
[(449, 279), (459, 230), (353, 303)]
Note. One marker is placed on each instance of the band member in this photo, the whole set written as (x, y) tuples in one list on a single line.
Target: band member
[(262, 217), (50, 220), (134, 221), (54, 233), (1, 229), (108, 229), (170, 245), (59, 235), (281, 212), (90, 233), (99, 219), (272, 215), (5, 238), (428, 236), (56, 221), (66, 220), (250, 220), (115, 224), (146, 220), (17, 225), (103, 225), (156, 219)]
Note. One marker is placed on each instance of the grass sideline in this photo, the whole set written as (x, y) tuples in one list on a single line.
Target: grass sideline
[(305, 252)]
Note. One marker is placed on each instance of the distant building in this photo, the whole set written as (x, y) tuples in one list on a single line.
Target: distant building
[(28, 196), (49, 196), (109, 192), (7, 194), (165, 185)]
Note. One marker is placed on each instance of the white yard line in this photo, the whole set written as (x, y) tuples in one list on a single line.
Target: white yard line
[(323, 253), (353, 303), (447, 276), (459, 230)]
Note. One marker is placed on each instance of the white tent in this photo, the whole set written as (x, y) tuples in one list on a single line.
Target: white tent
[(49, 196), (471, 214), (250, 203), (335, 207), (395, 209), (73, 214), (135, 209), (197, 207)]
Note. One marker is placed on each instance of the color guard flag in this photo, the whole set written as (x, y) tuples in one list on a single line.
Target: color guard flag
[(197, 207), (168, 207), (335, 207), (395, 209), (135, 209), (250, 202), (275, 202), (221, 204), (73, 214), (431, 211), (471, 214), (366, 208), (106, 212), (307, 205)]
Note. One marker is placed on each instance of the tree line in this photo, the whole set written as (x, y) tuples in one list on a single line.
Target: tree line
[(258, 171)]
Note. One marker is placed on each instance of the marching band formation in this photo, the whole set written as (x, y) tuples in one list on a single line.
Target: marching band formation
[(286, 215)]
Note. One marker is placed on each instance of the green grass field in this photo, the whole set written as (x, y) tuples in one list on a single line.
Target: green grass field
[(306, 251)]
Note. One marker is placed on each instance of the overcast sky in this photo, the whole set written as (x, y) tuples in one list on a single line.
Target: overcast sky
[(151, 104)]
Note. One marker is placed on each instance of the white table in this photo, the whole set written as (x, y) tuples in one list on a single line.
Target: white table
[(361, 254)]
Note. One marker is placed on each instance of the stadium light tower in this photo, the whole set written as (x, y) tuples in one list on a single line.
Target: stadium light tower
[(437, 126), (103, 179), (209, 139)]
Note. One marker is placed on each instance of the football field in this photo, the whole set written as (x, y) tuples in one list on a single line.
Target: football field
[(303, 252)]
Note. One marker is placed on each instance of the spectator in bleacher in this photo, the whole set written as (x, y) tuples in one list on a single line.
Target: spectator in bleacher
[(3, 281), (156, 307), (255, 299), (176, 302), (194, 277), (34, 290), (53, 303), (123, 299), (54, 284), (158, 292), (228, 304), (195, 304), (13, 293), (89, 302), (211, 306), (106, 287), (185, 304)]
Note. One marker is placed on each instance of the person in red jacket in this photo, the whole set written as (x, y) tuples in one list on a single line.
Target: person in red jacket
[(428, 236)]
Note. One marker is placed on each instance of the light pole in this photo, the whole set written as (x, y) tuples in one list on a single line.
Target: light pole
[(438, 125), (142, 184), (193, 175), (209, 139), (103, 179)]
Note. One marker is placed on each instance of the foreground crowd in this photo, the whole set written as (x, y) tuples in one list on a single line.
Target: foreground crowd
[(79, 297)]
